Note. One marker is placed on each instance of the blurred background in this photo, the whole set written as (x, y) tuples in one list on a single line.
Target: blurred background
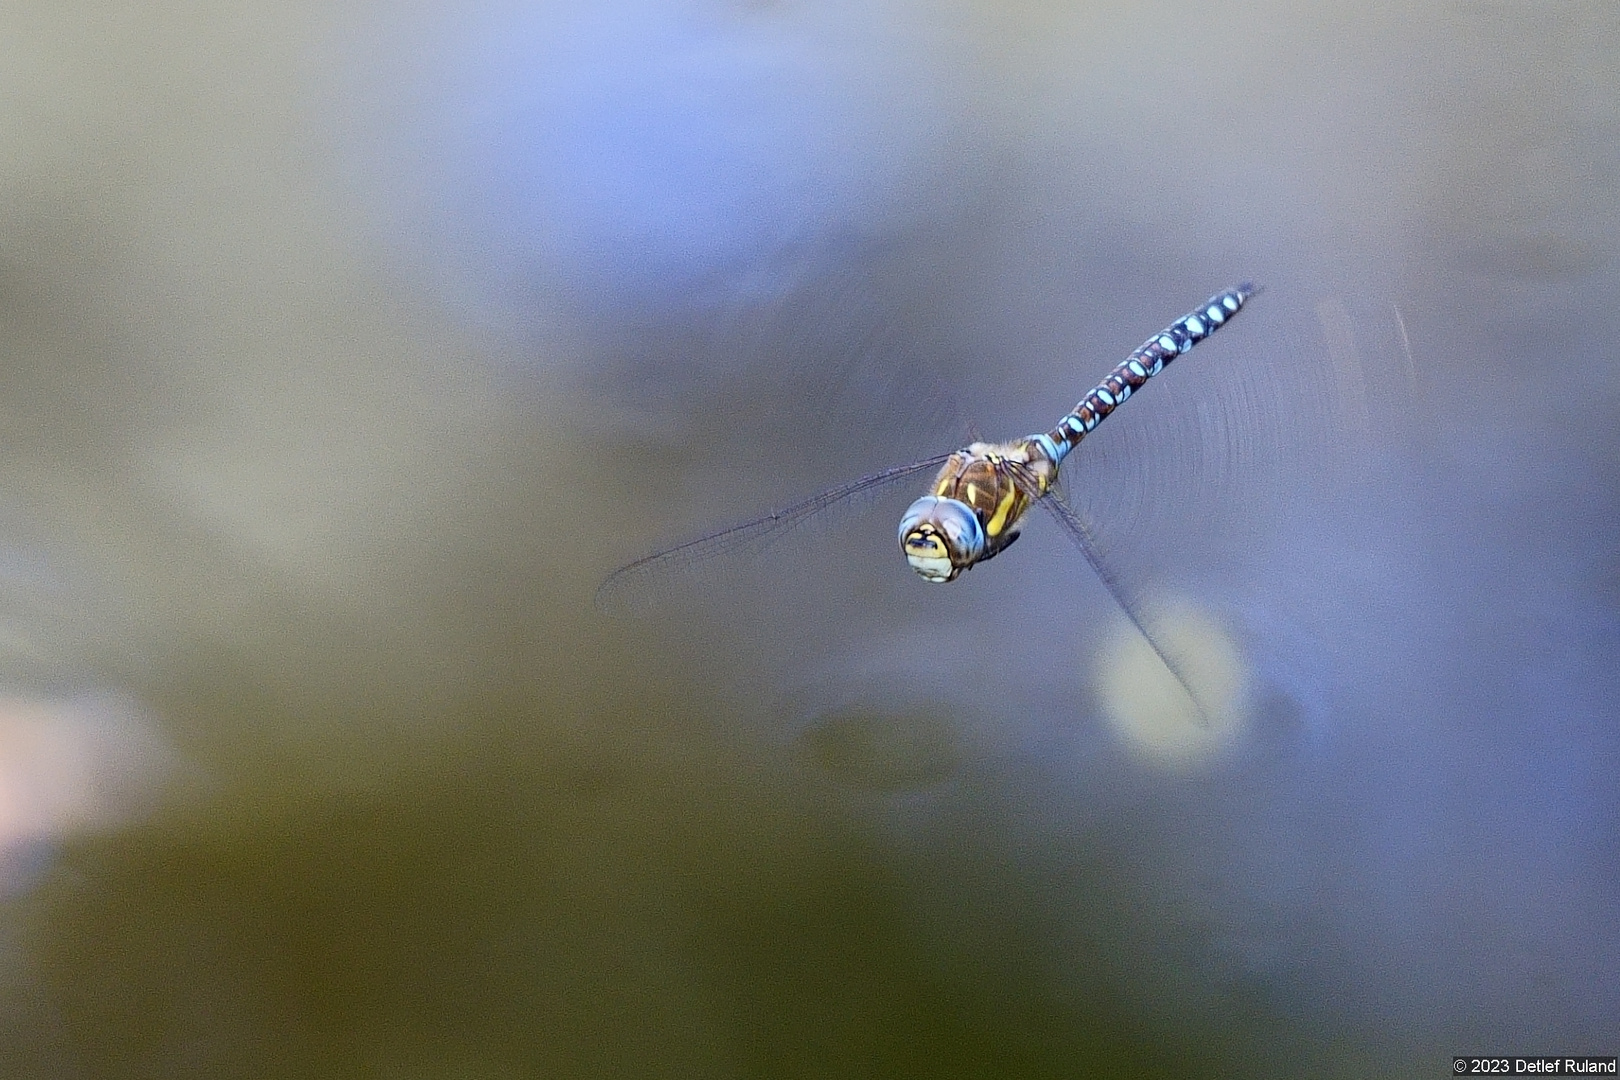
[(346, 349)]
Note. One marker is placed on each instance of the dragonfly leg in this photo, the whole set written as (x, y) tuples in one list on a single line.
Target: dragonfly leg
[(1006, 542)]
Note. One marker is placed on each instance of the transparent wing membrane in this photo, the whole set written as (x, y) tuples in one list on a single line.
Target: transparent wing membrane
[(1217, 452), (658, 577), (1081, 534)]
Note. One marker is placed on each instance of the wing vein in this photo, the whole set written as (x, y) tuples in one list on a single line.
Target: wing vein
[(640, 579)]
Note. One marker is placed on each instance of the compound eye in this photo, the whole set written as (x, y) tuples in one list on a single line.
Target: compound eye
[(962, 528), (940, 537)]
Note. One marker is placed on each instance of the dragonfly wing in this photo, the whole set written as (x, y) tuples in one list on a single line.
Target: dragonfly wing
[(1078, 531), (657, 577), (1185, 477)]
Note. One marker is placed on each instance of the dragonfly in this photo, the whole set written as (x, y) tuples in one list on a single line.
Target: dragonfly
[(976, 506)]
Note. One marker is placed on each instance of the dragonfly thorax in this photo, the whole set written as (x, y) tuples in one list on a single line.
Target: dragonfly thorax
[(941, 537)]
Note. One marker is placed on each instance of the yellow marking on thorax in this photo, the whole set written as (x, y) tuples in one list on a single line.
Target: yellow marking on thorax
[(998, 520), (972, 493)]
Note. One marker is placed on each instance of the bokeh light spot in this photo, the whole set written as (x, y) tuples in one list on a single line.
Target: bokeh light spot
[(1148, 707)]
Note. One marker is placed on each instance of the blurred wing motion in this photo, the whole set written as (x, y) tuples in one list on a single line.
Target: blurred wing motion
[(647, 581), (1183, 490), (1075, 527)]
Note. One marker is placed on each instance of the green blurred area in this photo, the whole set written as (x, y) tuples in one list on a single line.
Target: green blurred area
[(542, 910)]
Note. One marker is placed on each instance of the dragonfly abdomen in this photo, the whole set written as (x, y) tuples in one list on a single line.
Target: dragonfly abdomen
[(1146, 362)]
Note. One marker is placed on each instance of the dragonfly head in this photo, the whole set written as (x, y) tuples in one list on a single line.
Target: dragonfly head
[(941, 537)]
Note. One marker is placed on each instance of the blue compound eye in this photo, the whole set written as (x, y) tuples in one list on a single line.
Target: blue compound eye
[(940, 537)]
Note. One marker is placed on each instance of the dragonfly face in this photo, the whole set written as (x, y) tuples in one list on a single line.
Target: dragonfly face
[(941, 537)]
